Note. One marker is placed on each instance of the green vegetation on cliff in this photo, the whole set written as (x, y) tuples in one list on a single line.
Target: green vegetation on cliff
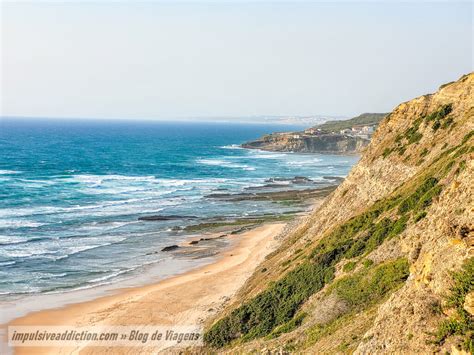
[(367, 286), (278, 305), (365, 119), (412, 135), (460, 323), (277, 309)]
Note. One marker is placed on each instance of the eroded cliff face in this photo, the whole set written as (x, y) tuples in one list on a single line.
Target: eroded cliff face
[(399, 225), (325, 143)]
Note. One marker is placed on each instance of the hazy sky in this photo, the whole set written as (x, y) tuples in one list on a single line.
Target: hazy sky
[(163, 59)]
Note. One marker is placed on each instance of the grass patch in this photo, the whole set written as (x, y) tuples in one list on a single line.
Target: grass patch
[(462, 165), (421, 197), (361, 292), (320, 331), (366, 287), (288, 326), (412, 135), (461, 323), (438, 116), (349, 266), (420, 216), (467, 137), (441, 113), (367, 262), (386, 152), (424, 152), (273, 307)]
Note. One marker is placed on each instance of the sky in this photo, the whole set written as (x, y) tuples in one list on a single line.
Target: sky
[(169, 59)]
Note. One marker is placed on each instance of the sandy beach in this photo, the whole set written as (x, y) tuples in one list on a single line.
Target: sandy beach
[(188, 298)]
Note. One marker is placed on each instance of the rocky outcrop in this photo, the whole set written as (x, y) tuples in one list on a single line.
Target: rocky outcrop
[(301, 143), (406, 206), (325, 138)]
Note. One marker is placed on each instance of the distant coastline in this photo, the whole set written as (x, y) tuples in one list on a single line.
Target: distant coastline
[(333, 137)]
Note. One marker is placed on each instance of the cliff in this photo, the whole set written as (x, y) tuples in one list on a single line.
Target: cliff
[(325, 138), (385, 264), (298, 142)]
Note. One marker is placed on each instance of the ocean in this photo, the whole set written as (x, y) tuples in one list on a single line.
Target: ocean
[(72, 193)]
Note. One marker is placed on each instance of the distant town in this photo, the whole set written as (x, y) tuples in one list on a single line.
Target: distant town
[(364, 132)]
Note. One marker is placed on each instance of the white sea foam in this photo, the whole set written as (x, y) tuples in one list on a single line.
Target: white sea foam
[(225, 164), (116, 207), (266, 155), (17, 253), (111, 275), (7, 239), (37, 183), (97, 180), (232, 146), (103, 226), (78, 249), (6, 263), (9, 172), (309, 162), (47, 275), (11, 223), (60, 248)]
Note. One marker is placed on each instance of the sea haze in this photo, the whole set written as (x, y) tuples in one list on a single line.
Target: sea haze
[(71, 193)]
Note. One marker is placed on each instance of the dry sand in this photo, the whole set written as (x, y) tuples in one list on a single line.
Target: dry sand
[(189, 298)]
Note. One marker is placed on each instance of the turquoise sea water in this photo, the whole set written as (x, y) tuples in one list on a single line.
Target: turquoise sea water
[(71, 193)]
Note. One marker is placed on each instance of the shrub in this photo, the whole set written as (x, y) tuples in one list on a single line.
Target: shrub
[(368, 262), (349, 266), (288, 326), (427, 198), (273, 307), (436, 125), (461, 323), (386, 152), (398, 226), (467, 137), (420, 216), (414, 137), (384, 229), (448, 122), (411, 201), (439, 115), (463, 284), (366, 287), (461, 167)]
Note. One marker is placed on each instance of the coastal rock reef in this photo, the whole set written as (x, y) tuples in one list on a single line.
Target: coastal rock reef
[(385, 264)]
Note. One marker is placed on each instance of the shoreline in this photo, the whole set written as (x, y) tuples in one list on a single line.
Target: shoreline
[(213, 247), (207, 287), (319, 152)]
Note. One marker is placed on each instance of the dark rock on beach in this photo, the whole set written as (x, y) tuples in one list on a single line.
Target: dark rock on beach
[(170, 248)]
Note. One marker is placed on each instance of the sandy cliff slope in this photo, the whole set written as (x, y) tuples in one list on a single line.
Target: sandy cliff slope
[(385, 264)]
